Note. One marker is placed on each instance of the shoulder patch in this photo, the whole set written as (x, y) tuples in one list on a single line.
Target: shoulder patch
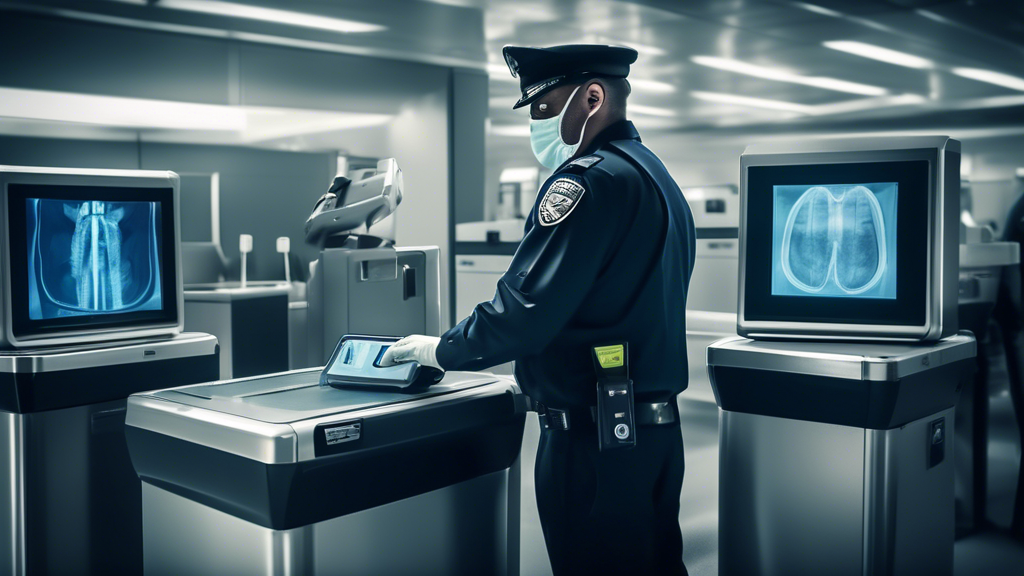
[(586, 161), (559, 200)]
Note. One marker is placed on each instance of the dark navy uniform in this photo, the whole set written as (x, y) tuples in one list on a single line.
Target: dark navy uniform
[(616, 267), (607, 256)]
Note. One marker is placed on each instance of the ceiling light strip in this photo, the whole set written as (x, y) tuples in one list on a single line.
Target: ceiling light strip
[(356, 49), (749, 101), (991, 77), (118, 111), (880, 54), (651, 86), (651, 111), (811, 110), (273, 15), (781, 75)]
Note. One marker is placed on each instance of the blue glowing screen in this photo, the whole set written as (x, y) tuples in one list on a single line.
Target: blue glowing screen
[(836, 240), (92, 257), (359, 359)]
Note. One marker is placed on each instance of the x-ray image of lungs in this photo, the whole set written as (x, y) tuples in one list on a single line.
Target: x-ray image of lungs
[(92, 257), (835, 240)]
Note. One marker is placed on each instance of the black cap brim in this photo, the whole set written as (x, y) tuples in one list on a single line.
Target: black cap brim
[(535, 91), (541, 70)]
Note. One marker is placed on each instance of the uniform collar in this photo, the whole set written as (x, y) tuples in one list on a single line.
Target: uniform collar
[(621, 130)]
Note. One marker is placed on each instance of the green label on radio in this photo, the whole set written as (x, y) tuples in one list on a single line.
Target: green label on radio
[(610, 356)]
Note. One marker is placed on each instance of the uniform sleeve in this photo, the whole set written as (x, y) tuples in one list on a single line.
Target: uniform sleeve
[(542, 289)]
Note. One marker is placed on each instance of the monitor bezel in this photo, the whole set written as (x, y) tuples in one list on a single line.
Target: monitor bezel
[(170, 321), (18, 195), (928, 317)]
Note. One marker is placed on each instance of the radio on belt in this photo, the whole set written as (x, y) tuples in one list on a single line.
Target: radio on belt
[(356, 364), (615, 424)]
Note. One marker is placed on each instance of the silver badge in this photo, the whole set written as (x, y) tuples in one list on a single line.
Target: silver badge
[(559, 200)]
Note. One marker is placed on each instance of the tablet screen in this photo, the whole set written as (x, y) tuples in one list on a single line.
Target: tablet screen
[(359, 360)]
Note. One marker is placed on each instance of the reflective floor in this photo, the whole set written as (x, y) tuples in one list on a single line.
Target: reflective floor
[(991, 554)]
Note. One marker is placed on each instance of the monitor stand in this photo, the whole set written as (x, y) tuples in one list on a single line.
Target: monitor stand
[(73, 500), (836, 458)]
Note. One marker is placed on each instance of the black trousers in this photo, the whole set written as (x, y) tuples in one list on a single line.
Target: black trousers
[(613, 512)]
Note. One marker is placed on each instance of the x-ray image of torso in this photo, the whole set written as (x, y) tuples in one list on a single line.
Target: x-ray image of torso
[(835, 240), (92, 257)]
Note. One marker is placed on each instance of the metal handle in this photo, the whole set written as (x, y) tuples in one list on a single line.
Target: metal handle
[(108, 421), (408, 282)]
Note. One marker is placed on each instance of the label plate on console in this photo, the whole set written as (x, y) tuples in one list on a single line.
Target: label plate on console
[(343, 433)]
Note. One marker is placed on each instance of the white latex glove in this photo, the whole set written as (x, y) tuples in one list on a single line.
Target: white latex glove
[(415, 348)]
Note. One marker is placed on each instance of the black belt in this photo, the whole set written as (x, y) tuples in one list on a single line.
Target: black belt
[(645, 414)]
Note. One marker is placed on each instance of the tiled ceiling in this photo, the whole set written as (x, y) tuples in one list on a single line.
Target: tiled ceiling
[(684, 46)]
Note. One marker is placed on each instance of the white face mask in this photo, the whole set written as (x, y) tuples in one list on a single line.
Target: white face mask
[(546, 137)]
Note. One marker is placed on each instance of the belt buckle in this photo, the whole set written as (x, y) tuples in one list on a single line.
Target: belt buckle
[(554, 419), (661, 413)]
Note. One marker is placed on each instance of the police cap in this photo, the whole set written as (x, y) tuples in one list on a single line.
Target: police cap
[(542, 69)]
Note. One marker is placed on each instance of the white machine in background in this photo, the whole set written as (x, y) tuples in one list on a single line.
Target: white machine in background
[(517, 192), (837, 409), (362, 283), (716, 217), (90, 312), (483, 252), (711, 298)]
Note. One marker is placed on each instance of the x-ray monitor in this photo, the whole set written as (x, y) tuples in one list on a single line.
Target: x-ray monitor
[(90, 256), (850, 239), (835, 240)]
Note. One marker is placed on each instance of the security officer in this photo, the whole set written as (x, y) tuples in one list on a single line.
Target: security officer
[(607, 256)]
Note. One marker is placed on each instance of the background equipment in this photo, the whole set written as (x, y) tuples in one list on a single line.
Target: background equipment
[(362, 283)]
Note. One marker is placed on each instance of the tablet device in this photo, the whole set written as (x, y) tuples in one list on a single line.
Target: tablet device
[(356, 363)]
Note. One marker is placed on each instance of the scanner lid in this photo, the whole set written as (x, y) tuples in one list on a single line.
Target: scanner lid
[(349, 205), (271, 418), (297, 395)]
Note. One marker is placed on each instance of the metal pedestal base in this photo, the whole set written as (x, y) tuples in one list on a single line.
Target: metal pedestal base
[(71, 503), (800, 497), (468, 528)]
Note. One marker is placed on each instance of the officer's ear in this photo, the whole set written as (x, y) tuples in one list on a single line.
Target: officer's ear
[(584, 103), (595, 97)]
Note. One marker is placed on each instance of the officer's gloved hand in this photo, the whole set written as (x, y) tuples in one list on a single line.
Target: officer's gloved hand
[(416, 348)]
